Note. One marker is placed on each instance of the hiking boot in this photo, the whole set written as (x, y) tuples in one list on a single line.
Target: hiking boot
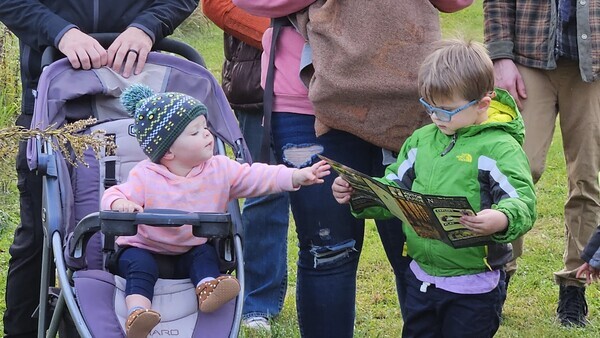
[(572, 307)]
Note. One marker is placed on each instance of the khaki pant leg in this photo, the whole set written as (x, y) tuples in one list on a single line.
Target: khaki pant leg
[(517, 251), (539, 115), (579, 106)]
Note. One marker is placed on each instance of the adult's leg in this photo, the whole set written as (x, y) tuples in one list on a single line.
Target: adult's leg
[(330, 238), (579, 105), (265, 220), (390, 231), (539, 115), (24, 266), (392, 237)]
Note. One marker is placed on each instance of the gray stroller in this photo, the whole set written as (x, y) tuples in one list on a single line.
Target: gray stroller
[(80, 239)]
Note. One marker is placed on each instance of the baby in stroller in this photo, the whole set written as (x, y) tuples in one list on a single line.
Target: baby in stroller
[(182, 173)]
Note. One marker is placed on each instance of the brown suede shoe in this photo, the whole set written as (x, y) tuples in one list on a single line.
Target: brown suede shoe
[(140, 322), (213, 294)]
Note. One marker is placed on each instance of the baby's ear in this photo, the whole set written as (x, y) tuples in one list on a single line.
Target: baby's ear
[(168, 155)]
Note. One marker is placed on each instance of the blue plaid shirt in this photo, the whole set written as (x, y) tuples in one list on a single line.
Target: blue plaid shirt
[(566, 30)]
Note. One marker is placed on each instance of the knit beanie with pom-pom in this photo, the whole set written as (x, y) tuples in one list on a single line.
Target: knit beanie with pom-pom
[(159, 118)]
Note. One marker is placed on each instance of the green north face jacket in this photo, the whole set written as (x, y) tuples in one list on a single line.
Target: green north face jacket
[(485, 163)]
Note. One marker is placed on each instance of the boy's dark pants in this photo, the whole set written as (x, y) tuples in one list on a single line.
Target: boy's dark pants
[(440, 313)]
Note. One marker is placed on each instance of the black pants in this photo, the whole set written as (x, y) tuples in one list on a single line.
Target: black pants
[(24, 266), (433, 312)]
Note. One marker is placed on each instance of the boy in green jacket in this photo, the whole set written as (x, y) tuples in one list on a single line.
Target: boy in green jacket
[(472, 149)]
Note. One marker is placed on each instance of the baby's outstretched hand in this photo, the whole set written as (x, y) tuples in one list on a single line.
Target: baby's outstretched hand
[(342, 191), (486, 222), (311, 175), (123, 205), (591, 274)]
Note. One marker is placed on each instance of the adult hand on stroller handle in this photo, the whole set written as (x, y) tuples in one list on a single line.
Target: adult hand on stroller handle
[(105, 40), (82, 50), (120, 56), (85, 52), (311, 175)]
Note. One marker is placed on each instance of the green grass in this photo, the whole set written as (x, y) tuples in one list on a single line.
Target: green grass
[(532, 296)]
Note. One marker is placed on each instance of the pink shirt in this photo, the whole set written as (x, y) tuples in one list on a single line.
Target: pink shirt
[(207, 188), (290, 94)]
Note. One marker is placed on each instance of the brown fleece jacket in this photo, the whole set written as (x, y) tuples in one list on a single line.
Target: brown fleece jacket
[(366, 56)]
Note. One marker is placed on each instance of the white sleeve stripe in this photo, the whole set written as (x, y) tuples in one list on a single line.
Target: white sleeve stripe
[(404, 166), (487, 164)]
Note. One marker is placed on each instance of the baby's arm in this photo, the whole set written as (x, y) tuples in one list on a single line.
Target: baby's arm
[(342, 191), (127, 196), (123, 205), (311, 175)]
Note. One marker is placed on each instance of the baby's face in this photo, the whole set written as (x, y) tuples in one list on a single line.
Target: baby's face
[(195, 144)]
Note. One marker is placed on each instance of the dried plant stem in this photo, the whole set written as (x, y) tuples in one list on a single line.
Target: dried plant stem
[(68, 139)]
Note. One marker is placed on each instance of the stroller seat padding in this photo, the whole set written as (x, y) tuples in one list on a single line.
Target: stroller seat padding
[(101, 296)]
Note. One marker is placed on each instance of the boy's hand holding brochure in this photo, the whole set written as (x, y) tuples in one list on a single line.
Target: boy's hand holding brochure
[(449, 219), (486, 222)]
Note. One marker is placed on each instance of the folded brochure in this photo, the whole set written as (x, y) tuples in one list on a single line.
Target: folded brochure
[(431, 216)]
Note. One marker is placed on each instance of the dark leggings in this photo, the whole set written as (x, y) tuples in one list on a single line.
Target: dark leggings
[(139, 267)]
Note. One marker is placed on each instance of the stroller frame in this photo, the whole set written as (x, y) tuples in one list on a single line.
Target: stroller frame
[(42, 156)]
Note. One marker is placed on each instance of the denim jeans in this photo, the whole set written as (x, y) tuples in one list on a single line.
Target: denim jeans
[(330, 238), (265, 220)]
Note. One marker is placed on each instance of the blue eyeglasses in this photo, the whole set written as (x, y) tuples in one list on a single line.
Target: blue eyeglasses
[(443, 114)]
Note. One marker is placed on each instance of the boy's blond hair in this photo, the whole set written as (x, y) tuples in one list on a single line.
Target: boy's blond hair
[(456, 68)]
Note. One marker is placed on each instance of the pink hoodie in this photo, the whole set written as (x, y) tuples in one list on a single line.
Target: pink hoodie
[(290, 94), (207, 188)]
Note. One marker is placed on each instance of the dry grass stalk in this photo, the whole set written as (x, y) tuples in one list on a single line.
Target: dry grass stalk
[(68, 140)]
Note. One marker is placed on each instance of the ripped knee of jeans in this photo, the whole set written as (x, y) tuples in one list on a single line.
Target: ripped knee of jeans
[(301, 155), (330, 254)]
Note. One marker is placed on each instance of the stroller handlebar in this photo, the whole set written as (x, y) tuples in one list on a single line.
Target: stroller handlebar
[(52, 54), (113, 223), (204, 224)]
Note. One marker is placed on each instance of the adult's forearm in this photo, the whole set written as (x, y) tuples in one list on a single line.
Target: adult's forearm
[(235, 21), (499, 26), (272, 8), (161, 19), (32, 22)]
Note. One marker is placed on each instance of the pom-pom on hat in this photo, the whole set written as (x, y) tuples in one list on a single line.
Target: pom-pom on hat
[(159, 118)]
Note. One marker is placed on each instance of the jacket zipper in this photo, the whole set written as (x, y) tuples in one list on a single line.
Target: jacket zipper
[(450, 146), (96, 11)]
